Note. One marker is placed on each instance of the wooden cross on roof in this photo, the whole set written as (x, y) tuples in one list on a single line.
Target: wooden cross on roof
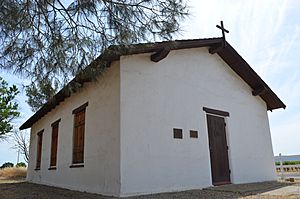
[(223, 32), (216, 49)]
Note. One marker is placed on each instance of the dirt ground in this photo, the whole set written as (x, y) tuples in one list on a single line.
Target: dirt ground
[(23, 190)]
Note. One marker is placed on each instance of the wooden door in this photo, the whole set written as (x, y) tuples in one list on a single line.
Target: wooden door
[(218, 150)]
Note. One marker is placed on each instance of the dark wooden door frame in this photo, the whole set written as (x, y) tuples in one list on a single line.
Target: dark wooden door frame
[(218, 146)]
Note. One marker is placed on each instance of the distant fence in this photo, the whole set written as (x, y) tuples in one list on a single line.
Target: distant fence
[(288, 171), (288, 168)]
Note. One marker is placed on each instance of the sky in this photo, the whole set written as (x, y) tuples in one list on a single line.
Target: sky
[(265, 33)]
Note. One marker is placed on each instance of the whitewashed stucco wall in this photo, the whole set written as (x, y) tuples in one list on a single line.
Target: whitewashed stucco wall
[(129, 144), (101, 171), (157, 97)]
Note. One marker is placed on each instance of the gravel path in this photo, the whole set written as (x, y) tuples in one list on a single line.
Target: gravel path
[(21, 190)]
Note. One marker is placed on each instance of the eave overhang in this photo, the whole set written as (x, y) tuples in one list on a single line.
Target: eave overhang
[(159, 51)]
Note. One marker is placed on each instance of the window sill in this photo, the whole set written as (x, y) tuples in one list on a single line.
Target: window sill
[(37, 169), (76, 165), (52, 168)]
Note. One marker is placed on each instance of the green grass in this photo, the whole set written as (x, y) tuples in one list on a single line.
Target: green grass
[(288, 163)]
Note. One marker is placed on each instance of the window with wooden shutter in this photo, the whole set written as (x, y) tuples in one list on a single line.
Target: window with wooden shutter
[(39, 149), (78, 136), (54, 141)]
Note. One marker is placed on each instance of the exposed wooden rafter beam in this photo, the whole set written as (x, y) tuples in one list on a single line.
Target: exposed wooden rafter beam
[(161, 54), (259, 91)]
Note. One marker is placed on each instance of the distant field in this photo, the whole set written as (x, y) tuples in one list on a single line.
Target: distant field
[(13, 173)]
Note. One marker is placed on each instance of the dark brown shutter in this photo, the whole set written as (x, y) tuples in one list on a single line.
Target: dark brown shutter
[(39, 149), (78, 139), (54, 140)]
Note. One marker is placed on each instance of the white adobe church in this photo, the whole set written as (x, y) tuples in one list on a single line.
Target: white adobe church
[(163, 117)]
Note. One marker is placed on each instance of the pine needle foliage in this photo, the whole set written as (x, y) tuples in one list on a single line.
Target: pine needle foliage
[(8, 107), (49, 41)]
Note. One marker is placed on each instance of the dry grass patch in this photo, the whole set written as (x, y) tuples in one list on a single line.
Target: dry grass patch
[(13, 173)]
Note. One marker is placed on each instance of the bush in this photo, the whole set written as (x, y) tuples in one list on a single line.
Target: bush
[(7, 164), (21, 164)]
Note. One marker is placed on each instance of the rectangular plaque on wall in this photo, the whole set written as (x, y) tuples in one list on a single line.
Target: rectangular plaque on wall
[(177, 133), (193, 134)]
